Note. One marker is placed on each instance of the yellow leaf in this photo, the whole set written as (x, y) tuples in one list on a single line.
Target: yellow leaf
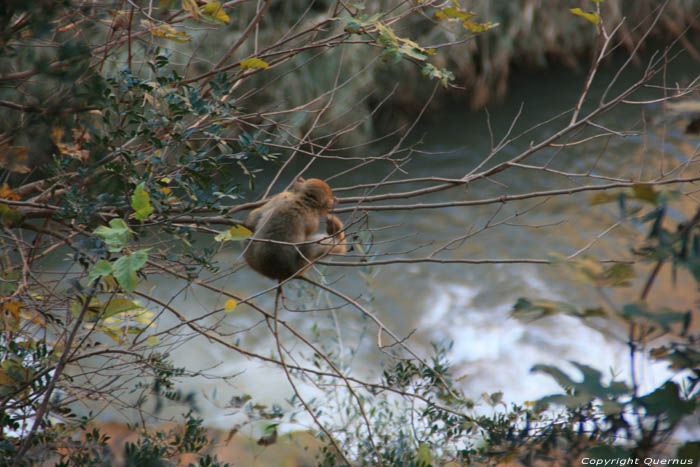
[(453, 13), (144, 317), (33, 316), (237, 232), (645, 192), (478, 27), (7, 193), (253, 63), (114, 335), (191, 7), (120, 19), (593, 17), (168, 32), (14, 158), (13, 308), (73, 150), (214, 11), (152, 340), (602, 198), (230, 305)]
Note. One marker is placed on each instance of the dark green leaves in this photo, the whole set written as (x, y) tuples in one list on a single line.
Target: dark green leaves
[(663, 317), (526, 309), (665, 401), (581, 393)]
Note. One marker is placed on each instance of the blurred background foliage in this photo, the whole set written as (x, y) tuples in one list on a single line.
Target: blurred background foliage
[(65, 71)]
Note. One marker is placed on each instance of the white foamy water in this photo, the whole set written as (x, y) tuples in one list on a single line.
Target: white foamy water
[(495, 352)]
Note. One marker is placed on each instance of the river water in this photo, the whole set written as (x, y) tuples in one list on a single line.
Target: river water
[(468, 305)]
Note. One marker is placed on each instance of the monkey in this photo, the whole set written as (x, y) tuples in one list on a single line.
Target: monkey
[(293, 217)]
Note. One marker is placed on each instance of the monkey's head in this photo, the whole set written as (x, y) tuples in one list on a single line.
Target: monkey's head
[(316, 194)]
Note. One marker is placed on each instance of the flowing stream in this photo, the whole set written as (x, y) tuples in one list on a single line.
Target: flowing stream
[(466, 304)]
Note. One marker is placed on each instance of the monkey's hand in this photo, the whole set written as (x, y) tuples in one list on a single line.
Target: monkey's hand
[(334, 228), (333, 225)]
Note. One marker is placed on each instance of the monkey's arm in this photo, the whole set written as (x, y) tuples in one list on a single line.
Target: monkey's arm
[(335, 244), (334, 226)]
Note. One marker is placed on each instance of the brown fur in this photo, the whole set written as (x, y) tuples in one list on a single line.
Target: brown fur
[(293, 217)]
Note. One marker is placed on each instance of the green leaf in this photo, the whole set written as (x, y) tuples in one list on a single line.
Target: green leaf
[(102, 268), (665, 401), (14, 377), (679, 358), (591, 383), (645, 193), (8, 282), (119, 305), (9, 216), (604, 197), (616, 275), (589, 389), (444, 76), (570, 402), (610, 407), (270, 435), (592, 271), (413, 51), (358, 24), (540, 308), (125, 269), (559, 376), (531, 310), (141, 203), (116, 235), (664, 317), (93, 311), (424, 454)]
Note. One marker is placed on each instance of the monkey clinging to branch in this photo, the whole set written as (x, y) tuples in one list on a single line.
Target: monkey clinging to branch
[(293, 217)]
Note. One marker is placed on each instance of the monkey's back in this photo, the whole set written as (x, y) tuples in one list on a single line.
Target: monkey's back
[(289, 222)]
